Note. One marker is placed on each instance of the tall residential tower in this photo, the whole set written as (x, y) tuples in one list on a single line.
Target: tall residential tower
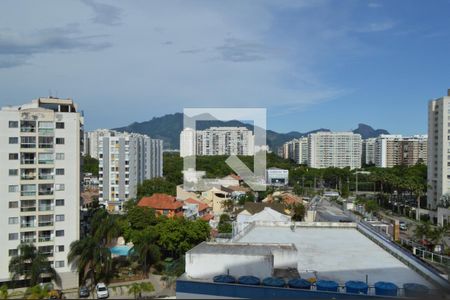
[(40, 148)]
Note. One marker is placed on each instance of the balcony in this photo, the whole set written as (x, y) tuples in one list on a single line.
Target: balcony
[(45, 161), (45, 207), (27, 129), (45, 176), (28, 240), (45, 236), (28, 208), (27, 193), (30, 224), (45, 223), (46, 250), (45, 189), (28, 161), (46, 131), (27, 145), (29, 176)]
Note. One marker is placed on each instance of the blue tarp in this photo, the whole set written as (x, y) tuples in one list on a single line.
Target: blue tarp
[(327, 285), (384, 288), (356, 287), (299, 283), (274, 281), (415, 290), (224, 279), (249, 280)]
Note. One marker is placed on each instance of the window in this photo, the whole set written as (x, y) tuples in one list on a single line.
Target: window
[(13, 236), (13, 172), (59, 232), (13, 220), (59, 156), (13, 204), (59, 171), (59, 264), (60, 141), (60, 125), (13, 124), (13, 140), (59, 202), (28, 142), (59, 187), (13, 252), (59, 218), (13, 188), (13, 156), (60, 248)]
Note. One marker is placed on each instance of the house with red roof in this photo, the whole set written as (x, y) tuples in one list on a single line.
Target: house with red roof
[(194, 208), (163, 204)]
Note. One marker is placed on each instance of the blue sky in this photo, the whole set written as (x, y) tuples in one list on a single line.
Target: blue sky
[(312, 64)]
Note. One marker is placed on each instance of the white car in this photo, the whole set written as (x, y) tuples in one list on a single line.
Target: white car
[(102, 290)]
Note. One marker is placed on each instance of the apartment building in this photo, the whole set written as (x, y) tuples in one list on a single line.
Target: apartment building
[(438, 150), (395, 150), (296, 150), (217, 141), (125, 160), (368, 151), (40, 147), (334, 149)]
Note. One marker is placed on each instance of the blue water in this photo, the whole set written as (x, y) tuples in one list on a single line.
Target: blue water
[(120, 250)]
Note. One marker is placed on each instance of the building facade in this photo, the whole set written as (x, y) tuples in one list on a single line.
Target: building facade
[(368, 151), (41, 144), (396, 150), (125, 160), (334, 149), (217, 141), (296, 150), (438, 150)]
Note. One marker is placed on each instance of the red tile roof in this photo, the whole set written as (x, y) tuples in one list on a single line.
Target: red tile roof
[(160, 201), (207, 217), (201, 205)]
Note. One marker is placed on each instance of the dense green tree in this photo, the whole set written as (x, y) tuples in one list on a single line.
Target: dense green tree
[(225, 225), (371, 206), (4, 293), (37, 292), (298, 190), (90, 165), (248, 197), (32, 265), (344, 190), (156, 185), (141, 217)]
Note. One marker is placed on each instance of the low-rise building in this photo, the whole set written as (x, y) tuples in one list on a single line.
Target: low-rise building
[(163, 204), (277, 177)]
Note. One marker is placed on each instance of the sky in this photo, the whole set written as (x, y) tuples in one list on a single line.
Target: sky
[(312, 64)]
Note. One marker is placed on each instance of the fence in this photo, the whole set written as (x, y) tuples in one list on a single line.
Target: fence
[(434, 257)]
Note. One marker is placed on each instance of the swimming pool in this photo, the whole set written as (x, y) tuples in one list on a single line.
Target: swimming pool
[(120, 250)]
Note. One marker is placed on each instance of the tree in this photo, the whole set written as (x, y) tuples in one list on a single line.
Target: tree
[(248, 197), (438, 233), (371, 206), (32, 265), (344, 191), (145, 250), (90, 165), (137, 288), (92, 260), (156, 185), (104, 226), (299, 212), (224, 225), (423, 230), (298, 190)]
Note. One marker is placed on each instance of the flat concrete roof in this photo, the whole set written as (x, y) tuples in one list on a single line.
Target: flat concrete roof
[(339, 254)]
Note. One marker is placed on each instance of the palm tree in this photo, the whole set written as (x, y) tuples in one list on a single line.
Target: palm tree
[(32, 265), (145, 250), (92, 260), (104, 227), (423, 230), (137, 288)]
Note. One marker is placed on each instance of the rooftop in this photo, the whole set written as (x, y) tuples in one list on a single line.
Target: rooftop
[(338, 253), (160, 201)]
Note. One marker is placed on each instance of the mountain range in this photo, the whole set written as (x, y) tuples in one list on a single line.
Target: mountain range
[(168, 128)]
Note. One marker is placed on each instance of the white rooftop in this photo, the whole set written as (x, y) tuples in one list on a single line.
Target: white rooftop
[(337, 253)]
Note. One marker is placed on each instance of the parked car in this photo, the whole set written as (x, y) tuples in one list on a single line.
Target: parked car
[(403, 226), (102, 290), (83, 292)]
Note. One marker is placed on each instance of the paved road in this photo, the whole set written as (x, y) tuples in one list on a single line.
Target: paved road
[(327, 212)]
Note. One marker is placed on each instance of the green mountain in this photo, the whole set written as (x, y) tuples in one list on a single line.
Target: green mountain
[(168, 129)]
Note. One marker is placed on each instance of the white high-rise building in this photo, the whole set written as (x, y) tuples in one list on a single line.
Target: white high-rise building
[(334, 149), (125, 160), (40, 147), (297, 150), (217, 141), (438, 150)]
